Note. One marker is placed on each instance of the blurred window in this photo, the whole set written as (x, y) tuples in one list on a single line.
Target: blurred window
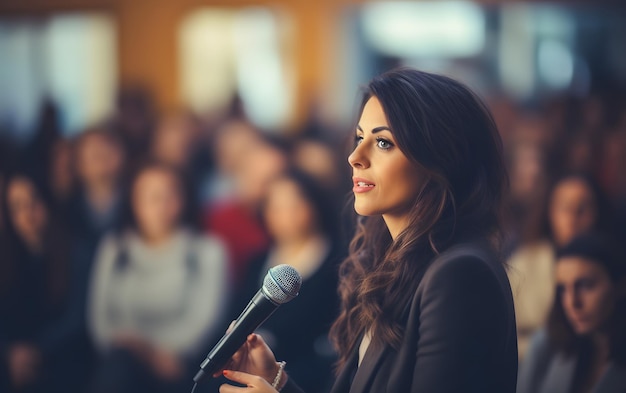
[(245, 52), (69, 58), (527, 51), (435, 29)]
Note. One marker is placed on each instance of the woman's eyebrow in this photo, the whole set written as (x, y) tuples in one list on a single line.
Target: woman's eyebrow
[(375, 130)]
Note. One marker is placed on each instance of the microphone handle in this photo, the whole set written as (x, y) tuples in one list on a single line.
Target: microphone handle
[(255, 313)]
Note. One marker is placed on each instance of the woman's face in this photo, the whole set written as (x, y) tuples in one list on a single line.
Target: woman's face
[(157, 203), (287, 213), (99, 159), (586, 293), (26, 210), (385, 181), (572, 210)]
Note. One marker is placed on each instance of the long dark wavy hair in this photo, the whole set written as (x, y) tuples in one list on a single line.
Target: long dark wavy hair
[(446, 130)]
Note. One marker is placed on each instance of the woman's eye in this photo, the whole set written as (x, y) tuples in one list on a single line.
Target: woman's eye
[(383, 144), (358, 139)]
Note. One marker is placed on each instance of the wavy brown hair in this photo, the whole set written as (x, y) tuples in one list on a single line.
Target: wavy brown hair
[(446, 130)]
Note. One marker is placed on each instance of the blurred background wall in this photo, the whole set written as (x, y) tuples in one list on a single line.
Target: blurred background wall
[(289, 60)]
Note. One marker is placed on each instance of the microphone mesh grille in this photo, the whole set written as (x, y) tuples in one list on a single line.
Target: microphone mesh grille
[(282, 283)]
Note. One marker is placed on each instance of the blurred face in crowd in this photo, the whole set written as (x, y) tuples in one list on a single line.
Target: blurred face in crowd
[(572, 211), (157, 203), (586, 293), (99, 159), (318, 160), (232, 143), (26, 210), (173, 141), (385, 181), (526, 171), (288, 214), (258, 167)]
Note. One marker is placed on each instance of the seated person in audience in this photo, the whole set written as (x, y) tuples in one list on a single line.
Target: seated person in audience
[(583, 348), (34, 282), (158, 291), (246, 161), (574, 205), (300, 220)]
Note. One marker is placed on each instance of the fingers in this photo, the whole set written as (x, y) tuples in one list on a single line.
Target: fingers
[(237, 357), (253, 383)]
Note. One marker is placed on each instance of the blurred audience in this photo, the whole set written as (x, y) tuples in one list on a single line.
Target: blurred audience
[(134, 121), (61, 175), (246, 161), (320, 160), (34, 280), (100, 165), (583, 348), (574, 205), (302, 225), (174, 141), (158, 290)]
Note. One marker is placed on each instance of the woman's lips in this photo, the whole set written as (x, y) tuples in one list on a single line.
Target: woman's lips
[(362, 185)]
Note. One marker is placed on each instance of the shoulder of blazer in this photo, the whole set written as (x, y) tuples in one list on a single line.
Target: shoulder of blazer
[(463, 258)]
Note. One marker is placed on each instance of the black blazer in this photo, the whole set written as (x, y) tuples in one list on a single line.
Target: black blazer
[(460, 334)]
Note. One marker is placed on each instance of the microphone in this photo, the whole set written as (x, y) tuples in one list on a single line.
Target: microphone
[(280, 285)]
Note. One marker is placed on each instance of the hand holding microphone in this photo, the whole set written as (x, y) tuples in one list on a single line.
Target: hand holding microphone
[(281, 284)]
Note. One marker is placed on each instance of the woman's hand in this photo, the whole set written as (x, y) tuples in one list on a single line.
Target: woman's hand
[(253, 383), (254, 357)]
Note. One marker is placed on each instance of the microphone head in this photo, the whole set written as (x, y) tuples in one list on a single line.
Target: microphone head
[(281, 284)]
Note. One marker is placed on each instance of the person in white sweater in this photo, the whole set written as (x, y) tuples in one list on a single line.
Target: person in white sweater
[(158, 290)]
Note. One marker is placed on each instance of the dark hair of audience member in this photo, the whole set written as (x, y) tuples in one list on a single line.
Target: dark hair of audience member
[(315, 195), (603, 222), (55, 244), (598, 248)]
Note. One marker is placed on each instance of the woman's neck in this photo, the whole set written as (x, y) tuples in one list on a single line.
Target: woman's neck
[(157, 239), (396, 224)]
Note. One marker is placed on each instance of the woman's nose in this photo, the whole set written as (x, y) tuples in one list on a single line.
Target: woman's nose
[(357, 159)]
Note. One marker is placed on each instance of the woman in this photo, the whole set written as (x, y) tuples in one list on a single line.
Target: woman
[(425, 304), (157, 290), (300, 220), (34, 281), (583, 348), (575, 205)]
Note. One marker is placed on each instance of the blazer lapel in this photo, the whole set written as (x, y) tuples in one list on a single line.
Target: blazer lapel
[(344, 379), (367, 369)]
